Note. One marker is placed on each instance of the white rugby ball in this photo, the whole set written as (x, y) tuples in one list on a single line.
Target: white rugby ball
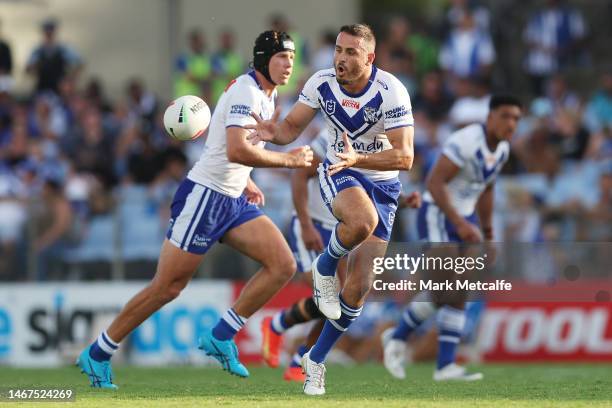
[(187, 118)]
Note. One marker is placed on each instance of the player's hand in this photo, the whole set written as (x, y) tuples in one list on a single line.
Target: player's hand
[(347, 159), (468, 232), (300, 157), (253, 194), (412, 200), (311, 237), (263, 130)]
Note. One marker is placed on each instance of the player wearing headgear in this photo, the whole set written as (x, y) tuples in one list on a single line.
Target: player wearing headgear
[(370, 124), (217, 200), (459, 194)]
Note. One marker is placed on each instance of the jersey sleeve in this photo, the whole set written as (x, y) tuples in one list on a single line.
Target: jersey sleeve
[(454, 150), (239, 105), (397, 107), (308, 96)]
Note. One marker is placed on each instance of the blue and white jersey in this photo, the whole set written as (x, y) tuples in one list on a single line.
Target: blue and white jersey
[(383, 105), (468, 149), (214, 170)]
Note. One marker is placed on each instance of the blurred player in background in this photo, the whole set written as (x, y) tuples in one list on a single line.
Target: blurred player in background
[(459, 189), (218, 201), (370, 125)]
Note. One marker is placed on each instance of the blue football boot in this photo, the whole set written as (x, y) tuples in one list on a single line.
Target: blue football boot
[(100, 373), (225, 352)]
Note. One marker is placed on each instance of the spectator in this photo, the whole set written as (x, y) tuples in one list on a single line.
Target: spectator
[(6, 64), (53, 223), (90, 147), (12, 221), (227, 63), (51, 61), (454, 14), (432, 101), (569, 136), (468, 51), (193, 69), (142, 103), (94, 93), (600, 216), (6, 118), (424, 48), (323, 57), (47, 120), (598, 115), (553, 36), (430, 106), (173, 167), (472, 105), (393, 53)]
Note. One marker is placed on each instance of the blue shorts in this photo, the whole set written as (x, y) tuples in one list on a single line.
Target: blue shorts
[(303, 256), (433, 226), (384, 194), (200, 216)]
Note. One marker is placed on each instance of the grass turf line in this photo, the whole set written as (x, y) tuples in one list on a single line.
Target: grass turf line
[(512, 385)]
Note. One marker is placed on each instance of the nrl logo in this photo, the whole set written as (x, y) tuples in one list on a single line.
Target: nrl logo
[(330, 107), (369, 114)]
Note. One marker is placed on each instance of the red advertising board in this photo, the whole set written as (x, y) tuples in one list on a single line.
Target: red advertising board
[(547, 331)]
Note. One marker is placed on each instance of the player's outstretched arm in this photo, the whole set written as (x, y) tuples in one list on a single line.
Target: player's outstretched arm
[(239, 150), (400, 157), (444, 170), (283, 132)]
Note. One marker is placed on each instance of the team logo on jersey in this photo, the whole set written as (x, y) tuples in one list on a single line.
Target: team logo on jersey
[(370, 114), (349, 103), (330, 106), (383, 84)]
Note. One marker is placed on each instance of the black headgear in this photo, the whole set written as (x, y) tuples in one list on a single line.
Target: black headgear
[(266, 45)]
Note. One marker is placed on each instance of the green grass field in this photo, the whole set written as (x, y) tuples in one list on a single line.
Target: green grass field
[(560, 385)]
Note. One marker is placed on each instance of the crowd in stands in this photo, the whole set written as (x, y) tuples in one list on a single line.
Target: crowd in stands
[(88, 177)]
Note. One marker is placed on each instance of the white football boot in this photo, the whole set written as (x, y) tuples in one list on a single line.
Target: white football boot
[(326, 291), (394, 356), (454, 372), (314, 384)]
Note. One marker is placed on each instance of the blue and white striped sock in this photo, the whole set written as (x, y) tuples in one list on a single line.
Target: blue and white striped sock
[(419, 310), (328, 261), (296, 360), (450, 327), (332, 330), (103, 348), (229, 324), (279, 325)]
